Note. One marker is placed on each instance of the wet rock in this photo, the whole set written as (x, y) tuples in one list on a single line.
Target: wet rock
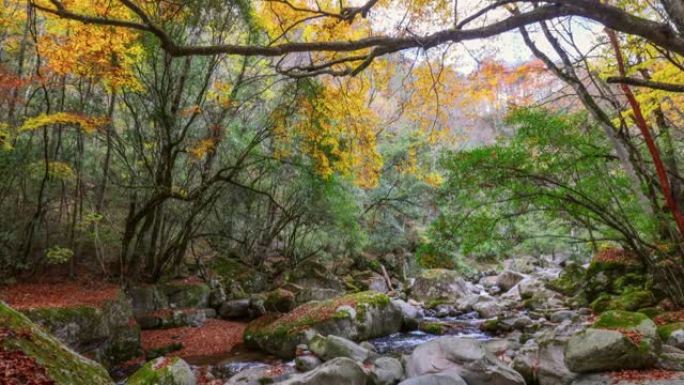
[(449, 377), (465, 356), (332, 346), (163, 371), (618, 340), (356, 317), (386, 371), (436, 286), (508, 279), (307, 362), (32, 343), (337, 371)]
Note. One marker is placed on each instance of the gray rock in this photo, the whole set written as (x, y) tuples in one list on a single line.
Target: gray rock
[(525, 264), (508, 279), (261, 375), (545, 364), (487, 306), (234, 309), (562, 315), (439, 285), (332, 346), (337, 371), (449, 377), (671, 358), (595, 350), (307, 362), (386, 371), (676, 339), (465, 356), (164, 371)]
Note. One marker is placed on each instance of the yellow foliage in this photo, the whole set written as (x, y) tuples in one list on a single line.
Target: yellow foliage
[(5, 137), (56, 170), (88, 125), (97, 52), (203, 148)]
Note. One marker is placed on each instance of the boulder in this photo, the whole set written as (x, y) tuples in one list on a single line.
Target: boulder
[(103, 331), (671, 358), (449, 377), (487, 306), (280, 301), (261, 375), (41, 356), (235, 309), (163, 371), (181, 294), (331, 346), (543, 363), (356, 317), (435, 286), (676, 338), (525, 264), (386, 371), (307, 362), (508, 279), (466, 357), (170, 318), (411, 315), (337, 371), (617, 341)]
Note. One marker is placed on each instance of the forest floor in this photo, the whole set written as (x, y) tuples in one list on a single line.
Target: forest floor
[(60, 294), (215, 337)]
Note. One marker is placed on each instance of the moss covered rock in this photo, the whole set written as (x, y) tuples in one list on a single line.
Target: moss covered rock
[(279, 300), (357, 317), (630, 300), (28, 341), (102, 331), (438, 285), (164, 371), (569, 282), (618, 340)]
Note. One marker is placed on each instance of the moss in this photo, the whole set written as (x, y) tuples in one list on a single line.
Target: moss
[(437, 302), (651, 312), (664, 331), (150, 375), (570, 280), (436, 328), (616, 319), (491, 325), (62, 365), (629, 301)]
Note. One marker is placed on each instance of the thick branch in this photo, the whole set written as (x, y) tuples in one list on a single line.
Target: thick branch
[(646, 83)]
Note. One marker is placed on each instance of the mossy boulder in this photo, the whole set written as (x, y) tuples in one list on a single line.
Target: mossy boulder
[(665, 331), (26, 341), (237, 278), (104, 332), (163, 371), (439, 285), (618, 340), (356, 317), (630, 300), (186, 294), (613, 271), (569, 282), (279, 300)]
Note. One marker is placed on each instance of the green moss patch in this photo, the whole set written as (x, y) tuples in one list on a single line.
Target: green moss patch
[(664, 331), (616, 319)]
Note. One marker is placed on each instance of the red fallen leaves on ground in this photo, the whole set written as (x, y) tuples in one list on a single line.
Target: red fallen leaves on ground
[(643, 376), (669, 317), (212, 338), (17, 368), (632, 335), (205, 378), (58, 294)]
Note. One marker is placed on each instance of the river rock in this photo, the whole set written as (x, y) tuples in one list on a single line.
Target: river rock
[(340, 370), (411, 315), (524, 264), (508, 279), (332, 346), (618, 340), (449, 377), (386, 371), (465, 356), (307, 362), (671, 358), (543, 363), (356, 317), (487, 306), (439, 285), (44, 355), (676, 338), (163, 371), (261, 375)]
